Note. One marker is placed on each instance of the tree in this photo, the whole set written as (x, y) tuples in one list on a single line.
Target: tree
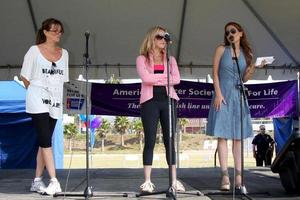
[(182, 124), (138, 129), (102, 131), (121, 125), (113, 80), (70, 131)]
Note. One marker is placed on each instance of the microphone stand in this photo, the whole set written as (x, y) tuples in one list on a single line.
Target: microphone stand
[(243, 99), (88, 192), (170, 192)]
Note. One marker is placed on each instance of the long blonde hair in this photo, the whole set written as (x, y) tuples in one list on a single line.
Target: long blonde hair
[(148, 42)]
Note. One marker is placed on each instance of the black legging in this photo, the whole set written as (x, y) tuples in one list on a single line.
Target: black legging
[(44, 126), (151, 112)]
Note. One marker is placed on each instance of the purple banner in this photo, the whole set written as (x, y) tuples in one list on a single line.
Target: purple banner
[(265, 100), (273, 99)]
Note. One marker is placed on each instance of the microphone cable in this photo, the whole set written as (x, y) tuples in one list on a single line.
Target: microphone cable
[(81, 83)]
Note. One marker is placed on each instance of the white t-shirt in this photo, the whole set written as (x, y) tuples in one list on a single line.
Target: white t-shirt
[(45, 91)]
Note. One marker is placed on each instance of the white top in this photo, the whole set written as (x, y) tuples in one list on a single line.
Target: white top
[(45, 91)]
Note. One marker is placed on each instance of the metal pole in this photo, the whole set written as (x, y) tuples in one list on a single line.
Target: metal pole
[(181, 31), (270, 31), (32, 15)]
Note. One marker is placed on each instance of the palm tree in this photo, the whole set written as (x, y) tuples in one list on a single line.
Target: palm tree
[(121, 125), (182, 124), (138, 129), (70, 131), (102, 131)]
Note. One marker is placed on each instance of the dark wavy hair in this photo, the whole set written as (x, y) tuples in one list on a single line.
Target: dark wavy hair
[(46, 25), (243, 41)]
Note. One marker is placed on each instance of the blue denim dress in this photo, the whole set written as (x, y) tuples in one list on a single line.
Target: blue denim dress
[(226, 123)]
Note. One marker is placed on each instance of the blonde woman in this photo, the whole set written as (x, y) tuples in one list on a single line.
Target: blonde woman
[(151, 66)]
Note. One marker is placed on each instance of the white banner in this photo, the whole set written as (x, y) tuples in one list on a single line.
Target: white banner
[(74, 97)]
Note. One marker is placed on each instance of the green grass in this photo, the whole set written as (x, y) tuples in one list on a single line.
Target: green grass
[(191, 155), (194, 159)]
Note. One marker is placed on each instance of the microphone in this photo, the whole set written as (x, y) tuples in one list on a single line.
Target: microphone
[(167, 37), (87, 34), (231, 38), (86, 54)]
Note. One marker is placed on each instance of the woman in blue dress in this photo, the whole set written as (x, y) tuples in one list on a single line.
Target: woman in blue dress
[(224, 115)]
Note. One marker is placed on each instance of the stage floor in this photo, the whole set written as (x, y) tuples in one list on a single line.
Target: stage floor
[(261, 184)]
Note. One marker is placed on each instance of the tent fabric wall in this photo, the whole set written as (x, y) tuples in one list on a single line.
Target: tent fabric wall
[(58, 145), (18, 142), (283, 128), (12, 97)]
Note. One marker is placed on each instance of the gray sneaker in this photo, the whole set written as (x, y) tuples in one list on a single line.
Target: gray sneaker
[(178, 186), (37, 186), (147, 187), (53, 188)]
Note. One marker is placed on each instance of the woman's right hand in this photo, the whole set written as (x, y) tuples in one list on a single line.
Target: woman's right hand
[(219, 99), (25, 81)]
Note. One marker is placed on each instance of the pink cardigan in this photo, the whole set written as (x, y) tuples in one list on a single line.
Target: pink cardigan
[(149, 79)]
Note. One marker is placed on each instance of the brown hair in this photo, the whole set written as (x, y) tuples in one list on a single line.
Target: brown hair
[(46, 25), (243, 41), (148, 42)]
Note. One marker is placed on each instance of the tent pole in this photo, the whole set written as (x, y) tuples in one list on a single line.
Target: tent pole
[(181, 30), (271, 32), (32, 15)]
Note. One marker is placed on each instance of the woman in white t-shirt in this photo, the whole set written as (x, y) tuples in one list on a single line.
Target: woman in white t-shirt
[(44, 71)]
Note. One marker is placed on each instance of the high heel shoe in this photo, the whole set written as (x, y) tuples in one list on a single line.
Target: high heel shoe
[(238, 178), (239, 188), (225, 185)]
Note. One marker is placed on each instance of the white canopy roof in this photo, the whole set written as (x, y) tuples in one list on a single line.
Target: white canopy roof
[(117, 28)]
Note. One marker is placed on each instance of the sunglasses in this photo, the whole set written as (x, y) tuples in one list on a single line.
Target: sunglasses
[(56, 31), (159, 37), (232, 31), (52, 68), (262, 129)]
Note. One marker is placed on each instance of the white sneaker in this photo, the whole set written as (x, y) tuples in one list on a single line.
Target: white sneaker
[(37, 185), (53, 187), (178, 186), (147, 187)]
